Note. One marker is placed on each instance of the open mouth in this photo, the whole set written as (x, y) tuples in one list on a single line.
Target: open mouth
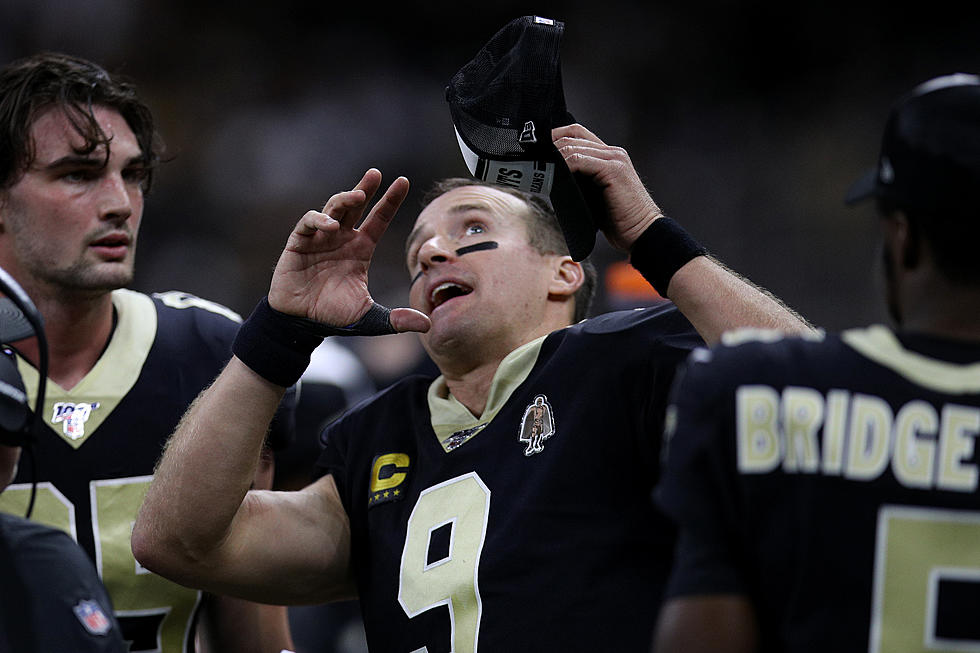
[(446, 291)]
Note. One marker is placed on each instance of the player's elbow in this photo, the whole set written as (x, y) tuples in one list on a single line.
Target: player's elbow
[(162, 552)]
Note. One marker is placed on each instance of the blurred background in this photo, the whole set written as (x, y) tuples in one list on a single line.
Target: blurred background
[(746, 120)]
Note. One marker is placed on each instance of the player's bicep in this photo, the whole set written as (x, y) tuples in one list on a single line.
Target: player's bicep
[(288, 547), (722, 623)]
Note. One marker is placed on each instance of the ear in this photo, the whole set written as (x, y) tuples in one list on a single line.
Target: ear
[(567, 277), (903, 241)]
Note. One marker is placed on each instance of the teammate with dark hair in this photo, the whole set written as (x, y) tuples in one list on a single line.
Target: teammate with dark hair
[(826, 488), (76, 159)]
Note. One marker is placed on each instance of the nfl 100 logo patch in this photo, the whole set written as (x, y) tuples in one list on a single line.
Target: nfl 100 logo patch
[(72, 417), (92, 618)]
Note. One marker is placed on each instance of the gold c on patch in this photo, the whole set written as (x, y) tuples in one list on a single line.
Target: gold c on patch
[(388, 474)]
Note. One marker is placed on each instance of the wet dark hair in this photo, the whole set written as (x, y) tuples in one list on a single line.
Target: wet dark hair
[(32, 85), (543, 233)]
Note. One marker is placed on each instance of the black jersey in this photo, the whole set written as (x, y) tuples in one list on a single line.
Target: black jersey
[(105, 435), (52, 599), (833, 481), (527, 529)]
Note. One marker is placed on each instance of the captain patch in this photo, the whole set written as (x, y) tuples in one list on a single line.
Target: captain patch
[(388, 474)]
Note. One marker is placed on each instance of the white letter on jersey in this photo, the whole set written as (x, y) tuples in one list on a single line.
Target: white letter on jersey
[(914, 458), (960, 427), (757, 408), (868, 438)]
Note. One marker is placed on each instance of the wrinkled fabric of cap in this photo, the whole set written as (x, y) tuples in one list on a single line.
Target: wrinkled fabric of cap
[(930, 150), (504, 104)]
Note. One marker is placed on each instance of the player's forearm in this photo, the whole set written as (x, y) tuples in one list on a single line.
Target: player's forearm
[(204, 474), (716, 300), (230, 624)]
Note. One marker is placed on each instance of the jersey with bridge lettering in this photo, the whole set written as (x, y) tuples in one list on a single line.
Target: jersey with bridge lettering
[(96, 458), (530, 528), (832, 481)]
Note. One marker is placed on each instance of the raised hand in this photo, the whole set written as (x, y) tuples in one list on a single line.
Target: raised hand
[(630, 207), (322, 273)]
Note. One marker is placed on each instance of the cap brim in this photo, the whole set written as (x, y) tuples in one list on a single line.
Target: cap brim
[(864, 188), (470, 158), (574, 207)]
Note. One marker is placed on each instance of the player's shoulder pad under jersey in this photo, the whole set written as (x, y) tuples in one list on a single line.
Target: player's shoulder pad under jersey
[(744, 335), (612, 322), (187, 322), (753, 347), (180, 300)]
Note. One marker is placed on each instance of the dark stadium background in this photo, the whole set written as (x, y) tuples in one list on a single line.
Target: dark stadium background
[(746, 120)]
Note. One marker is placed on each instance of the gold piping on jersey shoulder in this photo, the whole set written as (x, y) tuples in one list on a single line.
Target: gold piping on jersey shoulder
[(879, 344)]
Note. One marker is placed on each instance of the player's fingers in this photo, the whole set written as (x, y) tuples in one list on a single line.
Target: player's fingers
[(574, 130), (384, 211), (370, 183), (314, 221), (595, 160), (347, 207)]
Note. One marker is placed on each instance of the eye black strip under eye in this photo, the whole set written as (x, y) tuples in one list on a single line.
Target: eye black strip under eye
[(487, 244)]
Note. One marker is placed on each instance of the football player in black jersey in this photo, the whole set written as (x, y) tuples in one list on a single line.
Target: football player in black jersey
[(76, 159), (462, 519), (52, 598), (826, 488)]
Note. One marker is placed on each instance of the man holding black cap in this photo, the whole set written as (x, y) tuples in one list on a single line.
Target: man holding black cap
[(503, 506), (826, 488)]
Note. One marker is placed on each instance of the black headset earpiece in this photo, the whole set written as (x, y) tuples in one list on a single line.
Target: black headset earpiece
[(20, 319), (15, 412)]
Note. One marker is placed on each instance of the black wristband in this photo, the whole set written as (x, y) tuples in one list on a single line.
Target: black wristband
[(274, 345), (662, 250)]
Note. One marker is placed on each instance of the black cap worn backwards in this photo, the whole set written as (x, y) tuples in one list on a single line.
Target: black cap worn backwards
[(930, 151), (504, 104)]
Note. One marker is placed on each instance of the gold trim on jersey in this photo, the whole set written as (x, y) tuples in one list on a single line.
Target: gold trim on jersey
[(115, 373), (742, 335), (450, 417), (878, 343)]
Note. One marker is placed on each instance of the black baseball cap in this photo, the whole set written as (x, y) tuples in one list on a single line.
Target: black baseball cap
[(930, 150), (504, 104)]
